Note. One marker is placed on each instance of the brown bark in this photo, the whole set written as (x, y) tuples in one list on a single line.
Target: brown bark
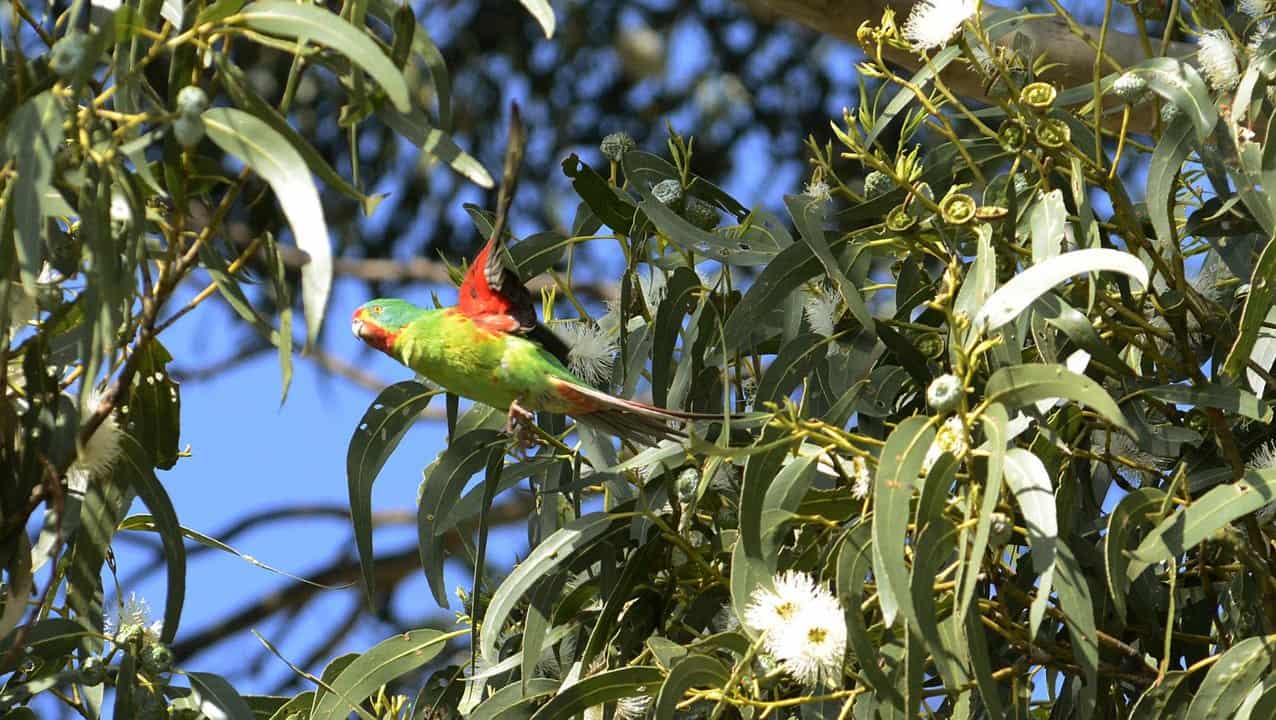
[(1074, 54)]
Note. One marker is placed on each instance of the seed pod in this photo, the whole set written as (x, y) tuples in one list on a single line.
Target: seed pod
[(668, 192), (700, 213)]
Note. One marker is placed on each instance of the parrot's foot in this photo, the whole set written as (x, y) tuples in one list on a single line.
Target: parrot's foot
[(518, 423)]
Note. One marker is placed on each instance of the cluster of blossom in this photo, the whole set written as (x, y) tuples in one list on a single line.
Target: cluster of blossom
[(802, 626)]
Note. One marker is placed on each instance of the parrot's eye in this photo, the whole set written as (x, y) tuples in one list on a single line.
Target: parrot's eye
[(377, 309)]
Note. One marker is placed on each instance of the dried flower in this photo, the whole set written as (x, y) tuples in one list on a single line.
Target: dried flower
[(592, 351), (818, 189), (103, 447), (1218, 60), (134, 620), (861, 477), (633, 707), (1264, 458), (932, 23), (1253, 8), (821, 310)]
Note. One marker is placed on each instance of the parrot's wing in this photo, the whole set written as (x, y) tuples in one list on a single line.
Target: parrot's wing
[(491, 294), (494, 297)]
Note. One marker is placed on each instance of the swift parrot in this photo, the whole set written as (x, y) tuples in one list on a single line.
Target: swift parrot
[(491, 347)]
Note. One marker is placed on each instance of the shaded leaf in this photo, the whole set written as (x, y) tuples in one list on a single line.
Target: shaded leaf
[(377, 435)]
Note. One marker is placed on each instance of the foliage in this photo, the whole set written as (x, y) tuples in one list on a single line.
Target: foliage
[(1007, 451)]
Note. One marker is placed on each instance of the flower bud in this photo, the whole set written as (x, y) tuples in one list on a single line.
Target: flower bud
[(1131, 88), (188, 131), (157, 659), (68, 54), (615, 145), (877, 183), (192, 101), (1002, 527), (92, 671), (944, 393)]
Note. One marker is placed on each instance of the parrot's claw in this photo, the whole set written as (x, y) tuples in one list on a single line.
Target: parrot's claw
[(518, 423)]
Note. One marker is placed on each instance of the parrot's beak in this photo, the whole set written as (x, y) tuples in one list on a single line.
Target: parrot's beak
[(356, 324)]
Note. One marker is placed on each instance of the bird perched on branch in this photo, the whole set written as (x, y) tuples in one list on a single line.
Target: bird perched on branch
[(491, 347)]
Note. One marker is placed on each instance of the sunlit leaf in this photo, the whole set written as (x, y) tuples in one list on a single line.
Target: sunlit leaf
[(271, 156)]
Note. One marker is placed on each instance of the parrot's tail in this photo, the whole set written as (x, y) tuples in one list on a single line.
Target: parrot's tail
[(638, 422)]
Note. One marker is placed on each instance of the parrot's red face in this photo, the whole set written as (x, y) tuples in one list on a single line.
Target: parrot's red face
[(379, 322)]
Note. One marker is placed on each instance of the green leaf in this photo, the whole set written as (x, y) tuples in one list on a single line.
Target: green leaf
[(1214, 395), (237, 86), (938, 538), (1028, 481), (543, 13), (441, 488), (1257, 305), (417, 128), (216, 697), (607, 686), (1056, 311), (135, 466), (981, 664), (1179, 83), (378, 434), (1022, 385), (516, 701), (33, 140), (1138, 508), (791, 366), (146, 523), (1163, 169), (1187, 527), (272, 157), (311, 23), (994, 422), (637, 570), (904, 96), (50, 638), (1047, 225), (854, 559), (679, 296), (551, 553), (1078, 609), (154, 405), (298, 704), (1260, 702), (126, 679), (1166, 700), (1229, 679), (1024, 288), (787, 272), (385, 662), (897, 473), (688, 672), (808, 215)]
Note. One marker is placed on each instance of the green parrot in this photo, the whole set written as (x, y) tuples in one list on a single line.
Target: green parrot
[(491, 347)]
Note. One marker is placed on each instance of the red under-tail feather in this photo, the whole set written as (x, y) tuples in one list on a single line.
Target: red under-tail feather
[(629, 419)]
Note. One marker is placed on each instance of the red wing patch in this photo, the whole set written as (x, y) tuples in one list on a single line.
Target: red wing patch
[(477, 298)]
